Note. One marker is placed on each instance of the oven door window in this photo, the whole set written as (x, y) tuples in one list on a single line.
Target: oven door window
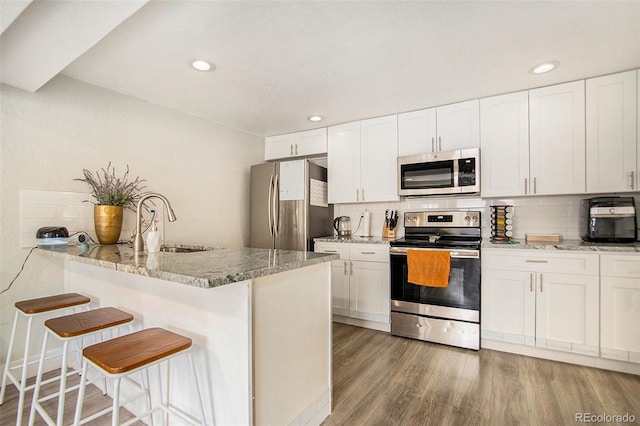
[(463, 290), (434, 174)]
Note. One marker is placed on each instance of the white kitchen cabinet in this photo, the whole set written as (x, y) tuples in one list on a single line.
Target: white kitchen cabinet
[(504, 145), (299, 144), (360, 281), (444, 128), (545, 299), (620, 307), (611, 132), (362, 161), (557, 139)]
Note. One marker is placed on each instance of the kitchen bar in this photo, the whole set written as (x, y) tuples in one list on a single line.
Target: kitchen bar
[(224, 300)]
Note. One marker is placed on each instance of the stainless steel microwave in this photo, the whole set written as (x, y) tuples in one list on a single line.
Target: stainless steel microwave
[(440, 173)]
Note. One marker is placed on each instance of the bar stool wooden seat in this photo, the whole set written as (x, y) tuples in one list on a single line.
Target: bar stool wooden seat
[(67, 329), (31, 309), (135, 352)]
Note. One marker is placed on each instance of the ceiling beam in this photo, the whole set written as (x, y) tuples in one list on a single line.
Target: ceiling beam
[(46, 36)]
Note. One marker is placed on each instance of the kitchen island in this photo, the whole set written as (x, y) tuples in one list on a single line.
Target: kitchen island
[(260, 321)]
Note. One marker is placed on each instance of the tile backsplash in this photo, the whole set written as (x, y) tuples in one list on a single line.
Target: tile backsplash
[(549, 214), (68, 209)]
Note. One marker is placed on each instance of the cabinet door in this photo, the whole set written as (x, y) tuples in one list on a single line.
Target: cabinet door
[(567, 313), (379, 159), (620, 316), (369, 291), (343, 163), (458, 126), (611, 132), (311, 142), (417, 132), (508, 306), (340, 287), (504, 145), (279, 146), (557, 139)]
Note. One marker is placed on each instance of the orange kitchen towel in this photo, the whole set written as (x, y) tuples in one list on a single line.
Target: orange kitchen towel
[(429, 268)]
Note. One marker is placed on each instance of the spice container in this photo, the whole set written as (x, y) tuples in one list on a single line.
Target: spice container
[(501, 223)]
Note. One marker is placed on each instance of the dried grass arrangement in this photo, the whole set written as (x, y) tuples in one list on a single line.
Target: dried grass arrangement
[(110, 190)]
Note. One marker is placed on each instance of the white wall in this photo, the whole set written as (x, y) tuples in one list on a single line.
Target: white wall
[(48, 137), (551, 214)]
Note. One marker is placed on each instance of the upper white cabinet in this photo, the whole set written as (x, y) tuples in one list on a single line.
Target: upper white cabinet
[(504, 145), (362, 161), (300, 144), (557, 139), (611, 133), (445, 128)]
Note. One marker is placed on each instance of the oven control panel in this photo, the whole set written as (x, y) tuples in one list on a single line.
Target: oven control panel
[(442, 219)]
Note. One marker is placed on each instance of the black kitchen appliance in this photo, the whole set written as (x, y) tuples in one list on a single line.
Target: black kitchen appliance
[(448, 315), (608, 220)]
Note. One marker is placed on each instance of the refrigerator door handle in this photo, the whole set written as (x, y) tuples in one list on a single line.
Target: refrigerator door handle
[(276, 206), (270, 206)]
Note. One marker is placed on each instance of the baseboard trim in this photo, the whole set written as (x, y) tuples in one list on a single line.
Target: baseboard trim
[(362, 323)]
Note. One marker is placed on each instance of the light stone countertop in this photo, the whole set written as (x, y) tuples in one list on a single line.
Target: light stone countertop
[(568, 245), (353, 240), (206, 269)]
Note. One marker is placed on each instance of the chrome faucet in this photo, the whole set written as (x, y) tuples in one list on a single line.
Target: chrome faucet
[(138, 242)]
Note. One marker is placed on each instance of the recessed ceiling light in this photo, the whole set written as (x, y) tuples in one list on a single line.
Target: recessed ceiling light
[(201, 65), (545, 67), (315, 118)]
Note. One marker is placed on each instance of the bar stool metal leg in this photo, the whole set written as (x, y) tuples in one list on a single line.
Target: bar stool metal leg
[(5, 373)]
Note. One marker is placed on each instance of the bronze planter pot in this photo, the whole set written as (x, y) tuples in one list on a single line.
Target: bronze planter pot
[(108, 223)]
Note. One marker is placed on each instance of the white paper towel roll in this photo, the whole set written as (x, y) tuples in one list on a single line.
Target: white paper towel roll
[(366, 224)]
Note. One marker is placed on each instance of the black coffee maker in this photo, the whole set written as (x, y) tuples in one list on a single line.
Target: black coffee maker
[(608, 220)]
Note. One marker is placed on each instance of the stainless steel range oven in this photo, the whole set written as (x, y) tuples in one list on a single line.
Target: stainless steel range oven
[(448, 315)]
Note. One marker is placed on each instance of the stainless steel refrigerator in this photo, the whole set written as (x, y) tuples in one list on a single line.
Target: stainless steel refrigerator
[(289, 205)]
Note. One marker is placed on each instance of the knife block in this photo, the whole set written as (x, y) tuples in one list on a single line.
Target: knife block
[(387, 232)]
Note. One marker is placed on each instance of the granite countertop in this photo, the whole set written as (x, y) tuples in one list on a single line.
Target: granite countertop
[(576, 245), (353, 240), (213, 267)]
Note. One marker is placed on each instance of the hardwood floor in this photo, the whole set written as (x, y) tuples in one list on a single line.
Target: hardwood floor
[(379, 379), (94, 402)]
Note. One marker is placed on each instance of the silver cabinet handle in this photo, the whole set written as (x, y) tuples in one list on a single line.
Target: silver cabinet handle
[(536, 261), (296, 149), (526, 185), (433, 144), (439, 143), (540, 283), (362, 194), (367, 252), (632, 175), (535, 189), (351, 268), (531, 283), (330, 251), (357, 194), (345, 267), (290, 149)]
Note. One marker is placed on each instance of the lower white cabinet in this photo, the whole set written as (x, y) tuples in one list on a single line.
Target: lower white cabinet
[(546, 300), (359, 280), (620, 307)]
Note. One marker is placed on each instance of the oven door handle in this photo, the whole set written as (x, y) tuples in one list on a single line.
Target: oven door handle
[(459, 254)]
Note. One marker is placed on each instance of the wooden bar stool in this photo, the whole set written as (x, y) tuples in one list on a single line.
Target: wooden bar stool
[(30, 309), (136, 352), (67, 329)]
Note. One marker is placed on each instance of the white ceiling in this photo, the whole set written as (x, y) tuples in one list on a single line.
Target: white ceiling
[(280, 62)]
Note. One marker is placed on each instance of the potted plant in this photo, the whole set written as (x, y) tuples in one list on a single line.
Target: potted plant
[(112, 195)]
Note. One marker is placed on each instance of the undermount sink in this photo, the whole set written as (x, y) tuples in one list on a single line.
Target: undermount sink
[(182, 249)]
